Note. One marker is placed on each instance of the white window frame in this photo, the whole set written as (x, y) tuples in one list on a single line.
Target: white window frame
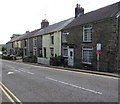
[(89, 38), (25, 52), (35, 43), (52, 41), (25, 42), (35, 52), (65, 35), (65, 47), (52, 52), (87, 49)]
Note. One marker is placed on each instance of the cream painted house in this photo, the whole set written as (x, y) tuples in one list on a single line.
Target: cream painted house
[(51, 44), (51, 38)]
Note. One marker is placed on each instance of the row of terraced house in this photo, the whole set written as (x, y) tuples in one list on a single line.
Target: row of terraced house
[(74, 41)]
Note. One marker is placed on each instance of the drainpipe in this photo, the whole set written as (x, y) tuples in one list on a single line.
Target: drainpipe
[(118, 41)]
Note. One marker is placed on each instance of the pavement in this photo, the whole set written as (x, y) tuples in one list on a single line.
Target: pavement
[(74, 69)]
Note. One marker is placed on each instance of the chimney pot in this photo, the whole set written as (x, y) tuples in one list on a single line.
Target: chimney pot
[(78, 11), (44, 23)]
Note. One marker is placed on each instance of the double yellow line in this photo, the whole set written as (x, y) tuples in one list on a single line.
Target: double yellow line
[(9, 94)]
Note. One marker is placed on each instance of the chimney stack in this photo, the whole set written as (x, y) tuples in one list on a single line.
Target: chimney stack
[(44, 23), (27, 31), (78, 11)]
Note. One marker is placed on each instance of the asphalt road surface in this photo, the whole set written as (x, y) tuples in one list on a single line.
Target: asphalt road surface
[(30, 83)]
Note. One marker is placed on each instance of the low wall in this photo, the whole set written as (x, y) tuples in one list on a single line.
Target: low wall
[(43, 61)]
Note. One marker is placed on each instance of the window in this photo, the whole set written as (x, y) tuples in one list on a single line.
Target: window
[(52, 39), (12, 45), (17, 45), (25, 41), (25, 52), (87, 34), (52, 52), (34, 41), (65, 51), (65, 35), (40, 52), (35, 52), (87, 55)]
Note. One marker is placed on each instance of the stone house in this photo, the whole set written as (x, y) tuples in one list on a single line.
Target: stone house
[(49, 39), (81, 36), (36, 41), (14, 45), (27, 43)]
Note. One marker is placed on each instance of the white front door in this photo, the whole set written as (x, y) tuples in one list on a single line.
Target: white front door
[(70, 56)]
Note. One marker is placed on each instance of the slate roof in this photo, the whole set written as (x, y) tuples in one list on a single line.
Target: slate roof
[(14, 39), (24, 36), (52, 28), (28, 35), (102, 13)]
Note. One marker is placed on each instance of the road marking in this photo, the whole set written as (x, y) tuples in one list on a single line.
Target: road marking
[(11, 93), (26, 71), (93, 91), (7, 95), (9, 73), (110, 77), (17, 70)]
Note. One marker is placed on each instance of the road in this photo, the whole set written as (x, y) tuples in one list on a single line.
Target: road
[(30, 83)]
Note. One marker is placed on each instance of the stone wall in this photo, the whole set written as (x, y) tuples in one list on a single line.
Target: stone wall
[(104, 32)]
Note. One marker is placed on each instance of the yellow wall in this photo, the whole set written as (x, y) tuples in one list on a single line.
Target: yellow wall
[(46, 42), (17, 44)]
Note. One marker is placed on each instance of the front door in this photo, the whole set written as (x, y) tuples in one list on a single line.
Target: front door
[(70, 56)]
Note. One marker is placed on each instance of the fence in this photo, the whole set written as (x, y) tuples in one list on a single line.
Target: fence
[(43, 61)]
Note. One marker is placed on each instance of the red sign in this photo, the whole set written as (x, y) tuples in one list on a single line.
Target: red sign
[(98, 48), (98, 51)]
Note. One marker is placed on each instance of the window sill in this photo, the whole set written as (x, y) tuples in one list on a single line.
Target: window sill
[(65, 56), (87, 42), (87, 63)]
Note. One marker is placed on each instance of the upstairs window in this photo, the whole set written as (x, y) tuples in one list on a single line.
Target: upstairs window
[(52, 39), (87, 34), (12, 45), (65, 36), (25, 42), (34, 41)]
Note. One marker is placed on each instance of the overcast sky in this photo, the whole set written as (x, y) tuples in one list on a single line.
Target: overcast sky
[(18, 16)]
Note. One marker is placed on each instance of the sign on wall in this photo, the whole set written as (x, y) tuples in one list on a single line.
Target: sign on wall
[(98, 48)]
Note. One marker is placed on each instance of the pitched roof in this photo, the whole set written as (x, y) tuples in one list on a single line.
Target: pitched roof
[(102, 13), (24, 36), (14, 39), (28, 34), (52, 28)]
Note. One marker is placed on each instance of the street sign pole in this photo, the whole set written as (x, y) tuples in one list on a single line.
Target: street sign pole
[(98, 55), (98, 62)]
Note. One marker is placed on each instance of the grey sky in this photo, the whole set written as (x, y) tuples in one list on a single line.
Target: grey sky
[(18, 16)]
